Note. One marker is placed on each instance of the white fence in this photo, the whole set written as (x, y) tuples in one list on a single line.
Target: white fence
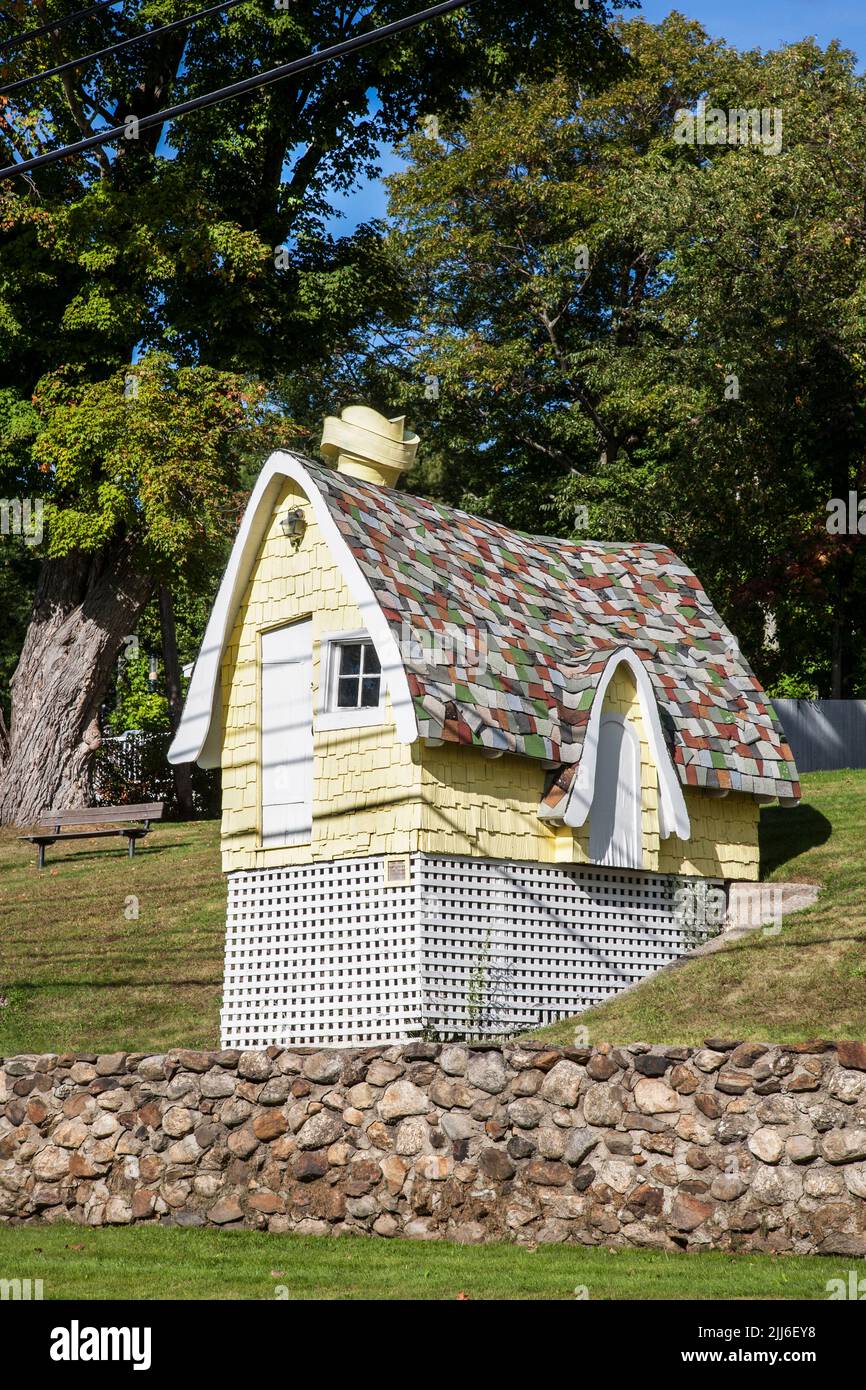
[(134, 767)]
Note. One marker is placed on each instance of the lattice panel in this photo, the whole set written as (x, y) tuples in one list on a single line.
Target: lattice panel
[(335, 954), (507, 946), (321, 954)]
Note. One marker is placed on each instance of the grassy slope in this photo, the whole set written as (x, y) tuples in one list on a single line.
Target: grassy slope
[(158, 1262), (809, 981), (78, 976)]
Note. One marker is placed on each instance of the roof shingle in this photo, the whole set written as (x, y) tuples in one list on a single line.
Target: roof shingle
[(504, 635)]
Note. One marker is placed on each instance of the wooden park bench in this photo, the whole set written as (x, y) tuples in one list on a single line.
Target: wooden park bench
[(108, 816)]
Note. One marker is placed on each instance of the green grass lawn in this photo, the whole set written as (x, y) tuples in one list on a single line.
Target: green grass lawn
[(148, 1262), (809, 981), (77, 974)]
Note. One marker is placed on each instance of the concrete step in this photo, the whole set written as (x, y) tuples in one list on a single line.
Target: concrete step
[(759, 907)]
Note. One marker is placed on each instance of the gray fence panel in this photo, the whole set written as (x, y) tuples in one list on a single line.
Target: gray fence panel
[(824, 734)]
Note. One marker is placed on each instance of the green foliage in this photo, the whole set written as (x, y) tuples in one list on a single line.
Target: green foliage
[(794, 687), (138, 706), (130, 702), (669, 336), (130, 247), (202, 253), (18, 567), (155, 452)]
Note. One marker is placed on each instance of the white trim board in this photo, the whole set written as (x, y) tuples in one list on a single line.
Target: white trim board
[(199, 735)]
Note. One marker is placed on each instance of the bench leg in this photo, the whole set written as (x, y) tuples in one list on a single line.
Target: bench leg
[(130, 843), (41, 849)]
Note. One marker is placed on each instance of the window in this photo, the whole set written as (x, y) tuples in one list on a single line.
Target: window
[(353, 687), (359, 676)]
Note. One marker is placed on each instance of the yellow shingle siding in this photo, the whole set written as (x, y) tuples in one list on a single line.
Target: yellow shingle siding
[(724, 838), (374, 795), (365, 783), (483, 806), (489, 807)]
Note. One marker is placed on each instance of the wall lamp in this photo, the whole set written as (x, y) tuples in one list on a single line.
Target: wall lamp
[(293, 526)]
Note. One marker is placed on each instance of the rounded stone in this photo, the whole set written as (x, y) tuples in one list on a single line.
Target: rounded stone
[(561, 1085), (603, 1105), (654, 1097), (774, 1186), (551, 1141), (402, 1098), (323, 1067), (50, 1163), (767, 1144), (254, 1066), (269, 1124), (179, 1121), (454, 1060), (844, 1145), (413, 1135), (487, 1071), (216, 1085), (526, 1114), (320, 1130), (855, 1179), (71, 1134), (847, 1086), (118, 1211), (801, 1148)]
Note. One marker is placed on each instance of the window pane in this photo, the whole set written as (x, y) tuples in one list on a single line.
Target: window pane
[(350, 658), (371, 660), (347, 692), (370, 692)]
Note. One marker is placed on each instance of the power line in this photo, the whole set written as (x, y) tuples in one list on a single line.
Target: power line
[(116, 47), (236, 89), (27, 34)]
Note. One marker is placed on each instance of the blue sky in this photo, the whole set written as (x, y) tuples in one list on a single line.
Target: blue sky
[(744, 23), (769, 23)]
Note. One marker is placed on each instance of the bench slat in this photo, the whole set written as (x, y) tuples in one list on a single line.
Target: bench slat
[(73, 835), (103, 815)]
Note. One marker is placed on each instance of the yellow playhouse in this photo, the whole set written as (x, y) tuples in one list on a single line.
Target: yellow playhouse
[(466, 772)]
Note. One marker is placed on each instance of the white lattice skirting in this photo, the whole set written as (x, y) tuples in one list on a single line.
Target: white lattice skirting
[(335, 954)]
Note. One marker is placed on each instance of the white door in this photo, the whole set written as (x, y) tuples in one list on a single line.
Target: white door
[(615, 816), (287, 734)]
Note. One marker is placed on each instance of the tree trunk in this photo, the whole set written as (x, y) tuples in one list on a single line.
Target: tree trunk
[(174, 694), (84, 606), (836, 660)]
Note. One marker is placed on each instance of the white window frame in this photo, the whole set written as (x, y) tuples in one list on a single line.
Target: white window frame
[(329, 716)]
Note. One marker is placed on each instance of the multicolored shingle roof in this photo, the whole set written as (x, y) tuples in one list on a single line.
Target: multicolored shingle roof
[(504, 637)]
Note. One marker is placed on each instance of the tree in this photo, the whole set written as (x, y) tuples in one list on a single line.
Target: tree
[(209, 246), (669, 336), (140, 489)]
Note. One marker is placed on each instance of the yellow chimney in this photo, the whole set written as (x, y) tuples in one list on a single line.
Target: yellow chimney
[(365, 445)]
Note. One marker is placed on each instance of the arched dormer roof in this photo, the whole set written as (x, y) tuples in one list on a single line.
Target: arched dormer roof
[(570, 797)]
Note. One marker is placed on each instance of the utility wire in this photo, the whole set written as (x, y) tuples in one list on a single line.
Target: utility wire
[(27, 34), (236, 89), (116, 47)]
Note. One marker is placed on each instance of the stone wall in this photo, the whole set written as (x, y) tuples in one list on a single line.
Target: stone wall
[(743, 1147)]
